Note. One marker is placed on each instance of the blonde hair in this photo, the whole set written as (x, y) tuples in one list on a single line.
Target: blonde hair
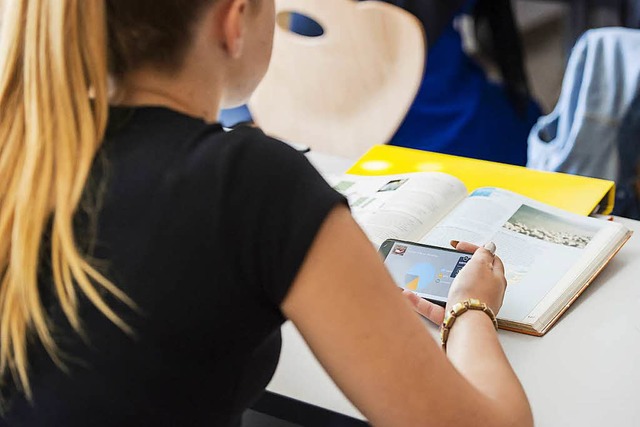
[(53, 114)]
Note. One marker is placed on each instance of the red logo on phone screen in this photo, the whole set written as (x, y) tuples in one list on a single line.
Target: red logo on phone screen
[(399, 250)]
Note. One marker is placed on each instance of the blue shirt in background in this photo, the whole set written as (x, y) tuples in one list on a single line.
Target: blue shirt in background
[(459, 111)]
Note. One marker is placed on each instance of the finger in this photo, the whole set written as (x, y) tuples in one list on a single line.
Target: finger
[(491, 247), (464, 246), (412, 298), (498, 265), (484, 256), (431, 311)]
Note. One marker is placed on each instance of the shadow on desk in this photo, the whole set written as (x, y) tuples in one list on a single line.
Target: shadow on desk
[(274, 410)]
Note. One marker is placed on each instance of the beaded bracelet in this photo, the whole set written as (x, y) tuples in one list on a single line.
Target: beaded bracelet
[(457, 310)]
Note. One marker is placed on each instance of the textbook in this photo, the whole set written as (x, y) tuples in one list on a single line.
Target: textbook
[(550, 255), (578, 194)]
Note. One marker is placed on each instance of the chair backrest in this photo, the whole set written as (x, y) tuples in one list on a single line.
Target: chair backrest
[(348, 89)]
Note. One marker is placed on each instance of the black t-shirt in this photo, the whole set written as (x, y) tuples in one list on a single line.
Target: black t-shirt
[(205, 230)]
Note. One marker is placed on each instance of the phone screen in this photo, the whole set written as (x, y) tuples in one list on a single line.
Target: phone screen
[(426, 270)]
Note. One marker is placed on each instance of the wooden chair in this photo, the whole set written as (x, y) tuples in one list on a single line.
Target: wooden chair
[(349, 89)]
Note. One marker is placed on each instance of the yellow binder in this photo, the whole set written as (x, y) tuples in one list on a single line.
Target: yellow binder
[(576, 194)]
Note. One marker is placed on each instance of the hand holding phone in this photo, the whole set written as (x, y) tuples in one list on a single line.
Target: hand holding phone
[(438, 274), (428, 271), (483, 278)]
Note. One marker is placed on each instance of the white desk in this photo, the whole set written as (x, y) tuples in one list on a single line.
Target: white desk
[(584, 372)]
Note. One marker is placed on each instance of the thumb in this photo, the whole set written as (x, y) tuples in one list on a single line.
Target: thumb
[(484, 256)]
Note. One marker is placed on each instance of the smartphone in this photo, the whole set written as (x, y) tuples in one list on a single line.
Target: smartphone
[(426, 270)]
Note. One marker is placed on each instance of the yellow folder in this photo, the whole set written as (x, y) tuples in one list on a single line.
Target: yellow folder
[(573, 193)]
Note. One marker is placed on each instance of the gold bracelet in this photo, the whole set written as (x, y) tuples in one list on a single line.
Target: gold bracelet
[(457, 310)]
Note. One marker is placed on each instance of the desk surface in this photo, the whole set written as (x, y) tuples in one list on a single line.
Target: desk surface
[(584, 372)]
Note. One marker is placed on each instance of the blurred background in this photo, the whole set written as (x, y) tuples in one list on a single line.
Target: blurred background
[(549, 29)]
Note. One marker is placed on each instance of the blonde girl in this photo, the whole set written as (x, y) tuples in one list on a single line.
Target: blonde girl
[(148, 257)]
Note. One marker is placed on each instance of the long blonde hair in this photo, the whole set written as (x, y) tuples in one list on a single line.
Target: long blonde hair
[(53, 114), (57, 58)]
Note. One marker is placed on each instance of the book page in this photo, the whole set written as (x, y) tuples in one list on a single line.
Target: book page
[(399, 206), (544, 249)]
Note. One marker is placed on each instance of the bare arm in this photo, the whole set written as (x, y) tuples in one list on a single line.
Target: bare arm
[(377, 350)]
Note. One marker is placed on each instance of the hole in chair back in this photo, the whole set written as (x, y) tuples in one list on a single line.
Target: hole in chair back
[(300, 24)]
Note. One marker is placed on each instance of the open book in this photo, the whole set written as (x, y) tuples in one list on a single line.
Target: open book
[(550, 255)]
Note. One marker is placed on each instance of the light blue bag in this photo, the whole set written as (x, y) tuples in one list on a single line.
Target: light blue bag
[(581, 135)]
